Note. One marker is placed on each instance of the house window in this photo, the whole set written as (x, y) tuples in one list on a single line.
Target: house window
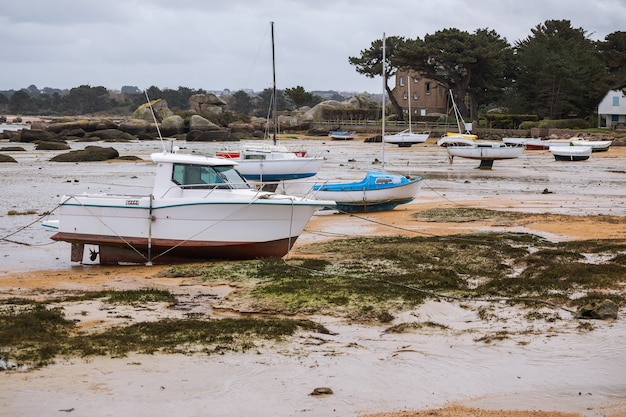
[(615, 118), (414, 96), (427, 86), (402, 81), (404, 96), (616, 101)]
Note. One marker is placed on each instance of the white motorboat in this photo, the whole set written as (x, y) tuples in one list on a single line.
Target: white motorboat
[(200, 208)]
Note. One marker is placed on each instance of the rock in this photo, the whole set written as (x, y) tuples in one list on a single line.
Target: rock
[(134, 126), (172, 125), (201, 124), (206, 105), (7, 158), (161, 111), (52, 146), (111, 134), (90, 153), (208, 136), (82, 124), (603, 311), (34, 135), (322, 391)]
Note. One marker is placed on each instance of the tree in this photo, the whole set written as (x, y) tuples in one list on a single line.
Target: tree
[(300, 97), (86, 99), (241, 102), (470, 65), (370, 64), (20, 102), (265, 104), (559, 71), (613, 54)]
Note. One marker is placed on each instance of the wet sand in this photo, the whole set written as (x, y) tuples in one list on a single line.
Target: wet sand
[(551, 367)]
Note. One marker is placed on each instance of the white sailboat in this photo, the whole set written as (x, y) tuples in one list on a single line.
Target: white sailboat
[(407, 137), (378, 190), (273, 163)]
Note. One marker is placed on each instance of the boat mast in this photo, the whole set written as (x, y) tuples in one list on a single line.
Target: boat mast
[(383, 106), (274, 116)]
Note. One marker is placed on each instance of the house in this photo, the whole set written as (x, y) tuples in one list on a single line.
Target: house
[(612, 109), (427, 97)]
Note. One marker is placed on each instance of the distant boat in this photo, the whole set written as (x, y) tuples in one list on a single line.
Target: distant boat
[(377, 191), (596, 145), (457, 139), (407, 137), (341, 135), (570, 153), (200, 208), (531, 144)]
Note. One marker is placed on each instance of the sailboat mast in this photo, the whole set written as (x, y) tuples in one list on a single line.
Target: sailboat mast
[(274, 115), (382, 141)]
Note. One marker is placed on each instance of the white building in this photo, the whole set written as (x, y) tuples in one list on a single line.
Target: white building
[(612, 109)]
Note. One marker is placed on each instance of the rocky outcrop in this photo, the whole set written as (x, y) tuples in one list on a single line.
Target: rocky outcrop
[(90, 153), (7, 158), (111, 134), (206, 105), (173, 125), (145, 111), (134, 126), (52, 146), (602, 311)]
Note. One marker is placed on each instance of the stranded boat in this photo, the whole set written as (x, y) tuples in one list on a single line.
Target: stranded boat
[(200, 208)]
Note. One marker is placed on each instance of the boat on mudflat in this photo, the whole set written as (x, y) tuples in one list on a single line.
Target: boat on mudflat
[(341, 135), (531, 144), (596, 145), (406, 138), (377, 191), (570, 152), (272, 163), (200, 208)]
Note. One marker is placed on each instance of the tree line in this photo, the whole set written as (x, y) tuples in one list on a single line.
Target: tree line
[(555, 72)]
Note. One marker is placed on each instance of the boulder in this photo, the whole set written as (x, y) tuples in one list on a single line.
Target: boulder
[(145, 111), (52, 146), (111, 134), (601, 311), (134, 126), (172, 125), (83, 124), (34, 135), (90, 153), (6, 158), (208, 136), (200, 123), (206, 105)]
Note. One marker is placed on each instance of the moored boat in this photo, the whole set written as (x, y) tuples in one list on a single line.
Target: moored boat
[(341, 135), (570, 152), (377, 191), (596, 145), (200, 208), (406, 138)]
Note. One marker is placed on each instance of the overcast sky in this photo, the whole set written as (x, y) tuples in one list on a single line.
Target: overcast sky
[(215, 45)]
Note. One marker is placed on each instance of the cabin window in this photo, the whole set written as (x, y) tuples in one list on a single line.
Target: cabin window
[(202, 176), (402, 81), (616, 101)]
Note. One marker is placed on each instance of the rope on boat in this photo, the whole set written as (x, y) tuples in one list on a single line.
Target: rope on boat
[(37, 220)]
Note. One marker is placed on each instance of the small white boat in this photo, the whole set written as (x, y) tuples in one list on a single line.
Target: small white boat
[(272, 163), (200, 208), (377, 191), (341, 135), (485, 151), (406, 138), (527, 143), (596, 145), (457, 139), (570, 152)]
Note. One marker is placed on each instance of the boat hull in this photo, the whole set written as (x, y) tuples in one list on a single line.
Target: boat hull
[(148, 230), (486, 153), (367, 196), (571, 153), (406, 139), (596, 145), (279, 169)]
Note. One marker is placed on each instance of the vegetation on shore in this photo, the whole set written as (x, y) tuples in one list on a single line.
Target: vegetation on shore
[(369, 280)]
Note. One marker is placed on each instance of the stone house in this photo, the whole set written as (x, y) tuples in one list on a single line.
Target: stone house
[(426, 97), (612, 109)]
